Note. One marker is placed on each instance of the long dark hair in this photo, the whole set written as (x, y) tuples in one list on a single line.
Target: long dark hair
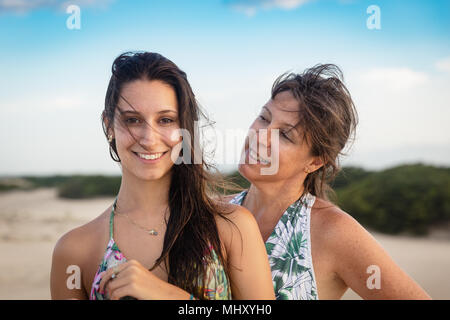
[(192, 227), (328, 119)]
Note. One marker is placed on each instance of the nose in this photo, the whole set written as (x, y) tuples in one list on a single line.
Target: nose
[(148, 135)]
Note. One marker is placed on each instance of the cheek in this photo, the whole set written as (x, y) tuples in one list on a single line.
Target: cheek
[(290, 159), (123, 139), (285, 156), (175, 136)]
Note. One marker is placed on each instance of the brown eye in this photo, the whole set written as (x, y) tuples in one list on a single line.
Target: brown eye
[(132, 120), (166, 120), (262, 118)]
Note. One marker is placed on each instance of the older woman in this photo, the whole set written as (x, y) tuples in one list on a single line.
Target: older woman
[(315, 249)]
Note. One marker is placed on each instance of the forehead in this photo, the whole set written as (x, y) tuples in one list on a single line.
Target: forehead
[(146, 96), (284, 106)]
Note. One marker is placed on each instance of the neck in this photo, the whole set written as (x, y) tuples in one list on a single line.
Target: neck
[(262, 198), (143, 198)]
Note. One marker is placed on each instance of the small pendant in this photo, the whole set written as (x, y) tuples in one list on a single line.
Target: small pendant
[(153, 232)]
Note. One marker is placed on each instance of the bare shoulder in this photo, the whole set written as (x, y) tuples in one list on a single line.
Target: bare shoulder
[(236, 221), (323, 209), (331, 220), (236, 215), (76, 251), (81, 238), (353, 252)]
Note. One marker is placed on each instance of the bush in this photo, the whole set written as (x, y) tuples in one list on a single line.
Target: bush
[(347, 176), (407, 198), (79, 187), (48, 182), (238, 180), (8, 187)]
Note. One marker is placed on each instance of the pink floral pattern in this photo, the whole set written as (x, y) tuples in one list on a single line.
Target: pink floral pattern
[(216, 286)]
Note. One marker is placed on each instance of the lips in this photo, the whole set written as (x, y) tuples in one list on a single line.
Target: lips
[(150, 156)]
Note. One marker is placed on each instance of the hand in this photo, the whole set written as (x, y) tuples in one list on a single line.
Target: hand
[(132, 279)]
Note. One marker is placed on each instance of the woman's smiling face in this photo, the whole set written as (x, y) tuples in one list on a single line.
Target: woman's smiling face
[(293, 154), (146, 128)]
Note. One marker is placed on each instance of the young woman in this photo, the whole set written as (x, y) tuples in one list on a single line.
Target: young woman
[(315, 249), (164, 237)]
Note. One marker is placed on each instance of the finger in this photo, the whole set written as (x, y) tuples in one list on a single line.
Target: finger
[(126, 290), (107, 276), (116, 283)]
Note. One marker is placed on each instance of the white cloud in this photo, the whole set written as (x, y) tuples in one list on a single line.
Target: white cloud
[(403, 115), (24, 6), (286, 4), (395, 78), (250, 7), (443, 65)]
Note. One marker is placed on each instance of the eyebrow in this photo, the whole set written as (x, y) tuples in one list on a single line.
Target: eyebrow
[(136, 112), (283, 123)]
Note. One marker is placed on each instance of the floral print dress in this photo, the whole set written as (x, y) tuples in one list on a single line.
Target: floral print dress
[(215, 287), (289, 251)]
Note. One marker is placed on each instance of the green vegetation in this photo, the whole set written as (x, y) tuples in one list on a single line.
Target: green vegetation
[(89, 186), (237, 181), (8, 187), (48, 181), (404, 199), (407, 198), (72, 187), (347, 176)]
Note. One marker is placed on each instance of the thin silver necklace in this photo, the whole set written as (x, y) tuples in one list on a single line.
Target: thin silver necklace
[(152, 231)]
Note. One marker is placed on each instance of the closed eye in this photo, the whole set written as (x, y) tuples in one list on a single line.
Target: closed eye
[(283, 134), (262, 118)]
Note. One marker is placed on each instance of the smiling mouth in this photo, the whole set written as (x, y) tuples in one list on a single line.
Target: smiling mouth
[(150, 156), (254, 155)]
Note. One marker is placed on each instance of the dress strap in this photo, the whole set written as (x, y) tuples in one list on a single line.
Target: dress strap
[(239, 198), (111, 220)]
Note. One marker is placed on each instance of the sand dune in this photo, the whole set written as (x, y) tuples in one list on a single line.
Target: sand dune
[(32, 221)]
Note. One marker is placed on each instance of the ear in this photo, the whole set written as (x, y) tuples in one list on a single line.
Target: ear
[(315, 164), (109, 130)]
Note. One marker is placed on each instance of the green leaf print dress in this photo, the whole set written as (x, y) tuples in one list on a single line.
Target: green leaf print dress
[(289, 251)]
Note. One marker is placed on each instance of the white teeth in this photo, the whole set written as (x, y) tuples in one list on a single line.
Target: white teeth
[(255, 157), (150, 156)]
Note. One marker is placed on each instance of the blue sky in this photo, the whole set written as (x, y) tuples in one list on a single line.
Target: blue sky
[(54, 79)]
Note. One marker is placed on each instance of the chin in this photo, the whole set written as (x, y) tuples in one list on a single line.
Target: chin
[(249, 172), (252, 172), (149, 174)]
